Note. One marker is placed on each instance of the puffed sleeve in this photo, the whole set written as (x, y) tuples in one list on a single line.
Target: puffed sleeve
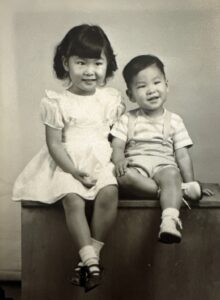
[(115, 107), (50, 113), (120, 128)]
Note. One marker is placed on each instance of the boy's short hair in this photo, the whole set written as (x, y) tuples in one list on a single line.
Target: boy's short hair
[(138, 64)]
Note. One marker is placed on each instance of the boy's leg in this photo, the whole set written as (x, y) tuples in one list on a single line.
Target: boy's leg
[(137, 184), (169, 181)]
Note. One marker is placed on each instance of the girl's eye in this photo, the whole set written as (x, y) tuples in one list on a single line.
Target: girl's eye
[(157, 82), (141, 86), (99, 63), (80, 62)]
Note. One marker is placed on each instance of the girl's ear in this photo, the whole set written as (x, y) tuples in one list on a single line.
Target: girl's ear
[(167, 85), (65, 64), (129, 94)]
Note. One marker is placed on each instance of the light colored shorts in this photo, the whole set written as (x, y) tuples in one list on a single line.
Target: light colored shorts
[(150, 165)]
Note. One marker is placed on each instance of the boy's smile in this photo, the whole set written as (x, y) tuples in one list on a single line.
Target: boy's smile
[(149, 90)]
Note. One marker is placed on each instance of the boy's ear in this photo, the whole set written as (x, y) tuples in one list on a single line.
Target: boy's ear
[(129, 94), (65, 64)]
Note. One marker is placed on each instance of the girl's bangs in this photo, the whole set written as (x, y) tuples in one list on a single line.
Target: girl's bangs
[(87, 49)]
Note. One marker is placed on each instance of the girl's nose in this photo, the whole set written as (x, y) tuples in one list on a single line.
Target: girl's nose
[(89, 71)]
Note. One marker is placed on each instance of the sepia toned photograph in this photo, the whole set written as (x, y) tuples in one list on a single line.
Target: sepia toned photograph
[(110, 155)]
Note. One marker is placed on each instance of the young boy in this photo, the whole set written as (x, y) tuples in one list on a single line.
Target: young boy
[(150, 146)]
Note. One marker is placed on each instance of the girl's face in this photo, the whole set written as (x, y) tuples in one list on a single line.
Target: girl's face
[(86, 73), (149, 89)]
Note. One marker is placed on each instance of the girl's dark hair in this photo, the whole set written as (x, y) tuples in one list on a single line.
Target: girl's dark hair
[(85, 41), (138, 64)]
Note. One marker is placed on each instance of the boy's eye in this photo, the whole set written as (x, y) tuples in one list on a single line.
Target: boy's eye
[(157, 82), (140, 86)]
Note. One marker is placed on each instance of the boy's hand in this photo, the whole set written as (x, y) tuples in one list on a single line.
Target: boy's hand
[(121, 167), (84, 178), (207, 192)]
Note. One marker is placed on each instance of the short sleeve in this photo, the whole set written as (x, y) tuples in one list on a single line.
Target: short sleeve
[(120, 128), (50, 113), (181, 136), (115, 107)]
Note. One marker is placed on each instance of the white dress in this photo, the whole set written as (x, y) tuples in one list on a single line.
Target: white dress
[(85, 123)]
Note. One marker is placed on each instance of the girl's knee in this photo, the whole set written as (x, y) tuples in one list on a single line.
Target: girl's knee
[(108, 199), (73, 203)]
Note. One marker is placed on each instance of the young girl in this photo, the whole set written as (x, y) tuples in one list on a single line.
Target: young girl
[(75, 165)]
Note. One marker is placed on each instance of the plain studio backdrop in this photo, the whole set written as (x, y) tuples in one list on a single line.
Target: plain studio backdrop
[(185, 35)]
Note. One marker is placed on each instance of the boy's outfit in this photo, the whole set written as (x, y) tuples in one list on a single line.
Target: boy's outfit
[(150, 146), (151, 142)]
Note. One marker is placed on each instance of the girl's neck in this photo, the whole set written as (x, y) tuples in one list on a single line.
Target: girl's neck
[(72, 89)]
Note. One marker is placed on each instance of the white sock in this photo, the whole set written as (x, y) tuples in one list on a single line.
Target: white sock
[(170, 211), (97, 245), (89, 257)]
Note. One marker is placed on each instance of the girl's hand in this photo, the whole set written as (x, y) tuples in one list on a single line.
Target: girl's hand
[(121, 167), (83, 177)]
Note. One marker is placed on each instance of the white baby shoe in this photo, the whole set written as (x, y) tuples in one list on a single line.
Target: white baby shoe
[(170, 230), (192, 191)]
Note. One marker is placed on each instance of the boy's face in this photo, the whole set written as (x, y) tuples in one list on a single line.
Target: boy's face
[(149, 89)]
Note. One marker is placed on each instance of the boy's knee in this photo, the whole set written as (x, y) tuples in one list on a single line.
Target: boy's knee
[(127, 179), (169, 174)]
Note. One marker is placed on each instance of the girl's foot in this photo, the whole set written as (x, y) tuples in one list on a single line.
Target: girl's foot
[(79, 276), (93, 277)]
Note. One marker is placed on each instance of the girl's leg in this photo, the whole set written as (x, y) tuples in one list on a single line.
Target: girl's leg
[(105, 211), (137, 184), (169, 181), (74, 207)]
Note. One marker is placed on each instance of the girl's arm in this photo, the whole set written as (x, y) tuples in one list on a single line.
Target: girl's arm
[(60, 156), (118, 156)]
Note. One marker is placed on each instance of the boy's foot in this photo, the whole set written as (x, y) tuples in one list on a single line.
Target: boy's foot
[(93, 277), (79, 276), (169, 230), (192, 191)]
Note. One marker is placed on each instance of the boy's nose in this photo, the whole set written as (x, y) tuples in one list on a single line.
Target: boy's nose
[(151, 89)]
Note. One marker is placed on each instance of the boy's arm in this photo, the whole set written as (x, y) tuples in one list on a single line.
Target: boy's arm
[(185, 164), (118, 156)]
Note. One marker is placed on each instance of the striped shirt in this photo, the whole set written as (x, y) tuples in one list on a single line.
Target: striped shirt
[(148, 135)]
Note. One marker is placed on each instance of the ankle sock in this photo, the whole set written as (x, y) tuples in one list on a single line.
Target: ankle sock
[(171, 212), (97, 245), (89, 257)]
